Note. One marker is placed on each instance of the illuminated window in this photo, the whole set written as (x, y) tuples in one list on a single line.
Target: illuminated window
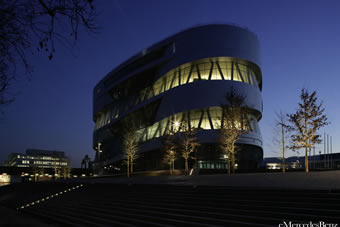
[(205, 69), (206, 119)]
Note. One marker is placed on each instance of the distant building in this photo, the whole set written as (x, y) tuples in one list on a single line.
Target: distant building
[(38, 158), (321, 161)]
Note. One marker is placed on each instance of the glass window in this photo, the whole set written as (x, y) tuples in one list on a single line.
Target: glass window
[(205, 122), (245, 77), (157, 131), (190, 76), (215, 73), (176, 79), (184, 75), (194, 74), (219, 71), (223, 64), (255, 80), (157, 87), (168, 81), (204, 70), (237, 75), (195, 118), (215, 115), (226, 73), (242, 68), (250, 78)]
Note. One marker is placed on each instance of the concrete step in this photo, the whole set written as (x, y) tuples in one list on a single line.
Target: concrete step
[(114, 215), (171, 215), (68, 217), (219, 211), (168, 205)]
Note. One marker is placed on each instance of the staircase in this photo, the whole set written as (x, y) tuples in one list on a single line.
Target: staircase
[(171, 205)]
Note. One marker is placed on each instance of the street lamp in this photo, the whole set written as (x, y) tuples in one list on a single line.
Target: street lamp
[(99, 151), (319, 159), (226, 157), (176, 126), (172, 159)]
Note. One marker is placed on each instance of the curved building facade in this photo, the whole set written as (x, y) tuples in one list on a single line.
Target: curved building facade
[(183, 78)]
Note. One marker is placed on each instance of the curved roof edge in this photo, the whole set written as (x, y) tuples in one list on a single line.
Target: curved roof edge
[(165, 40)]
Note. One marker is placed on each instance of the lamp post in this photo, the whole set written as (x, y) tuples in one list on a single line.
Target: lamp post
[(283, 127), (226, 157), (171, 159), (176, 126), (319, 159), (99, 151)]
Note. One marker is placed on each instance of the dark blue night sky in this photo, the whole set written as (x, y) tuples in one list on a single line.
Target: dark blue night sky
[(300, 48)]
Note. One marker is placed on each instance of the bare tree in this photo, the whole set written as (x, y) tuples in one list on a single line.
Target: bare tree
[(305, 122), (170, 145), (234, 123), (85, 162), (281, 137), (188, 144), (37, 23), (66, 170), (56, 169), (37, 172), (170, 158), (130, 148)]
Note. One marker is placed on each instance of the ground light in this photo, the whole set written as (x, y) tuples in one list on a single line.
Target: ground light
[(48, 197)]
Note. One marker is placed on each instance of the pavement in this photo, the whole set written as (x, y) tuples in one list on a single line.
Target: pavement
[(326, 180), (10, 217)]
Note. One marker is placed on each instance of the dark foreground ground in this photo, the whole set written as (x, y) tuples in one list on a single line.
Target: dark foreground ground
[(238, 200)]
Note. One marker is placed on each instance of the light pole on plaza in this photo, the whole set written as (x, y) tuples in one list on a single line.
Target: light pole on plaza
[(99, 151)]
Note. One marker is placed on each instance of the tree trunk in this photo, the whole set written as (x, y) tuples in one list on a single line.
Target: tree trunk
[(128, 167), (131, 167), (186, 167), (306, 160), (228, 163), (283, 149), (233, 161), (170, 167)]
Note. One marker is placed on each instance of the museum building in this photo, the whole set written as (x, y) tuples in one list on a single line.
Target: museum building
[(182, 80)]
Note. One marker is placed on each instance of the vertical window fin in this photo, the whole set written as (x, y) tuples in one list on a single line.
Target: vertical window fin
[(210, 121), (189, 122), (219, 69), (211, 69), (201, 118), (232, 70), (173, 79), (192, 66), (179, 77), (198, 72), (239, 72)]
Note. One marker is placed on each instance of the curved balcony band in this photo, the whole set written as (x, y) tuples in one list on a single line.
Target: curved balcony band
[(202, 70)]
